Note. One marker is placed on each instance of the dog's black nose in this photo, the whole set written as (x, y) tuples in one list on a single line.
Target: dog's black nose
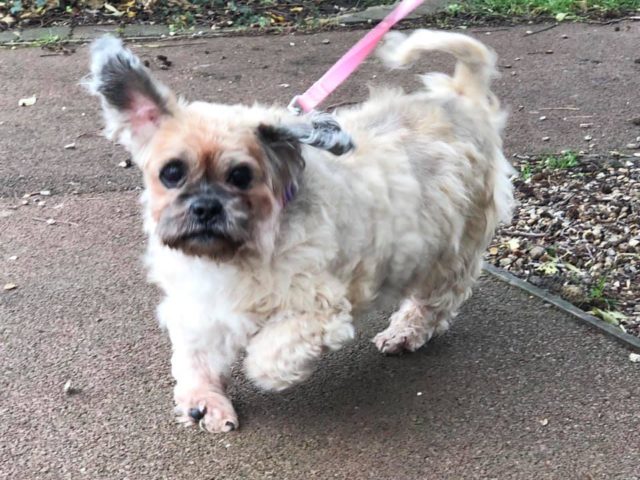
[(206, 208)]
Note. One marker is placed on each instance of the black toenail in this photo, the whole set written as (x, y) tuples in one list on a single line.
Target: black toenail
[(231, 425), (197, 413)]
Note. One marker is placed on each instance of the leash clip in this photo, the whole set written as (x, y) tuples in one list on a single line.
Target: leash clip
[(294, 106)]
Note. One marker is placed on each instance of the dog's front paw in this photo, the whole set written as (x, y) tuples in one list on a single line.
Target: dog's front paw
[(212, 411)]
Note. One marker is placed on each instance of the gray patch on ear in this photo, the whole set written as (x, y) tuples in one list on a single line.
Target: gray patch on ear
[(117, 74), (324, 132)]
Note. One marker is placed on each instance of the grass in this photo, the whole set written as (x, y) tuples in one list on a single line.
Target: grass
[(47, 41), (560, 9), (596, 294), (526, 171), (563, 161)]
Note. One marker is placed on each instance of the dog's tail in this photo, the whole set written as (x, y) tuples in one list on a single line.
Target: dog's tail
[(474, 70)]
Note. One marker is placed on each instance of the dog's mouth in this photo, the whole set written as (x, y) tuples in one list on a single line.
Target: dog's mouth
[(204, 235), (205, 242)]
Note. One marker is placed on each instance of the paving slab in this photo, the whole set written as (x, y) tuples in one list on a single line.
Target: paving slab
[(592, 70), (50, 33), (141, 31), (515, 390), (91, 32)]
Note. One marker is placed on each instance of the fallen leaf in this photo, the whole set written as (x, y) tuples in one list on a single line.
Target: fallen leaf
[(69, 389), (276, 18), (572, 268), (493, 250), (113, 10), (10, 286), (561, 16), (8, 19), (27, 102), (544, 422), (548, 268), (609, 316)]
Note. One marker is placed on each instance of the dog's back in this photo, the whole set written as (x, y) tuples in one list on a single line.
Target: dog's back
[(432, 162)]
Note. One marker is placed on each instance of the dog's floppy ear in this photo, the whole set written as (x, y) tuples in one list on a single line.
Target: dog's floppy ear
[(282, 145), (133, 102), (284, 158)]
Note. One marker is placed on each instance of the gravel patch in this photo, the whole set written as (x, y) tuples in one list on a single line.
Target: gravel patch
[(576, 231)]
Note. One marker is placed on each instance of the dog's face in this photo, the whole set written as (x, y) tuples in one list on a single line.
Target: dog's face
[(215, 177), (210, 189)]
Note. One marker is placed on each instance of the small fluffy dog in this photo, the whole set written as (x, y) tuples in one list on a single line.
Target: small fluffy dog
[(268, 231)]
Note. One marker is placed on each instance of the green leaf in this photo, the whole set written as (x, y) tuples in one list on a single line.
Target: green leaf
[(561, 16), (16, 7)]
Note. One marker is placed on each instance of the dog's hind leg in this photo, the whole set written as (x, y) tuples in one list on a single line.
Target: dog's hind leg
[(428, 312), (410, 327)]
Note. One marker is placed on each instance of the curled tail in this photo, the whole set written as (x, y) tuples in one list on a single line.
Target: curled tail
[(475, 67)]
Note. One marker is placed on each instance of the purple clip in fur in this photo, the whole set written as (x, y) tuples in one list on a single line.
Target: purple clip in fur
[(289, 193)]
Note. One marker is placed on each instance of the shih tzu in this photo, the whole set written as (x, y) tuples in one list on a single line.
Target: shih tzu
[(268, 232)]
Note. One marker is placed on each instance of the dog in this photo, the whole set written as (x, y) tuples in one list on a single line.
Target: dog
[(268, 232)]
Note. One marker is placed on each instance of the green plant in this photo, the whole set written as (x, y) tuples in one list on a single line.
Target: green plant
[(597, 294), (563, 161), (47, 40), (526, 171), (597, 291), (454, 8)]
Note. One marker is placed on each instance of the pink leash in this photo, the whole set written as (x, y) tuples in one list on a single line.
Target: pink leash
[(351, 60)]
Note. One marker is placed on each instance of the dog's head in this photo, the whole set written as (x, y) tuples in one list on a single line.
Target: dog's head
[(215, 177)]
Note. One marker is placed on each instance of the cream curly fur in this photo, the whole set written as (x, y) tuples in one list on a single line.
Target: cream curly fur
[(406, 215)]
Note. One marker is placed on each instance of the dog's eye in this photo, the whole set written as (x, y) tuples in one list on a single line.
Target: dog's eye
[(240, 177), (173, 173)]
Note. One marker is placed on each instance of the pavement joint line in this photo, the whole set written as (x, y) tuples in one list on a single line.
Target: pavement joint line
[(583, 317)]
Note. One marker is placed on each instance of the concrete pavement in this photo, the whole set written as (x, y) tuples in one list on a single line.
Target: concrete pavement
[(515, 390)]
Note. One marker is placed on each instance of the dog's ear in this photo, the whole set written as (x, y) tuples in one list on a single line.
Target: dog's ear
[(133, 102), (282, 145), (284, 158)]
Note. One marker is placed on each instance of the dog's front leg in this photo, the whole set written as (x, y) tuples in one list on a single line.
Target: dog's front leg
[(284, 351), (204, 347), (200, 391)]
